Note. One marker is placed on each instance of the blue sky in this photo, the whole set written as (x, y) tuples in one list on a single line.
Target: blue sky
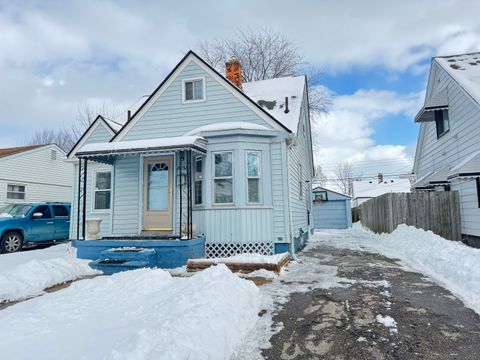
[(56, 56)]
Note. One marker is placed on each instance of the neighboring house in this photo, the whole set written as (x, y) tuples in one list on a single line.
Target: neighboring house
[(34, 173), (364, 190), (331, 210), (448, 147), (204, 154)]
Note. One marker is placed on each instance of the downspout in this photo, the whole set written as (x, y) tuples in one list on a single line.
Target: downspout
[(290, 142)]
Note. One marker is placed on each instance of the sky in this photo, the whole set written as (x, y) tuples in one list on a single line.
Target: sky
[(56, 56)]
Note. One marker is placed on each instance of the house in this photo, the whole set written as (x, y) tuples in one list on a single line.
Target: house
[(34, 173), (204, 157), (331, 210), (364, 190), (448, 148)]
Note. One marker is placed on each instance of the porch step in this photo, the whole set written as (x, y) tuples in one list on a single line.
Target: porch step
[(122, 259)]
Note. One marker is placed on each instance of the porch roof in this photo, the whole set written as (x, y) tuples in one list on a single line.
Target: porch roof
[(196, 143)]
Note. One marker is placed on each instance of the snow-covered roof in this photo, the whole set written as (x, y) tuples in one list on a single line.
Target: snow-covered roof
[(371, 188), (469, 165), (270, 95), (465, 69), (136, 146), (114, 125), (439, 176), (232, 125)]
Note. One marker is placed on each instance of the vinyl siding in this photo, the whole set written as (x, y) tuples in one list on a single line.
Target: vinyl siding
[(168, 116), (469, 210), (332, 214), (278, 191), (44, 179), (100, 134)]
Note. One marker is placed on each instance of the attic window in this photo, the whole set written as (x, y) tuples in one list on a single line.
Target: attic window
[(193, 90), (442, 122)]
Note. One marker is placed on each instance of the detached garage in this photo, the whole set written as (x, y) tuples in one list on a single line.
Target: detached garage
[(331, 210)]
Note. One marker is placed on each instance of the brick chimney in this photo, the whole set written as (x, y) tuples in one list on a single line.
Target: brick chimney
[(233, 71), (380, 178)]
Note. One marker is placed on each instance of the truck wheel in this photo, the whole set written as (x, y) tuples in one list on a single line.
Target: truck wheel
[(12, 241)]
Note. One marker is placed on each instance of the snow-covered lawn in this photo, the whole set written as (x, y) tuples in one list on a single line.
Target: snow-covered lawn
[(449, 263), (26, 274), (141, 314)]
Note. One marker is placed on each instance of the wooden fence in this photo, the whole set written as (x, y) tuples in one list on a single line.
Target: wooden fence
[(435, 211)]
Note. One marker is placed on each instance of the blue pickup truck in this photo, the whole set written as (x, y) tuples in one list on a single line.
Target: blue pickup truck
[(33, 223)]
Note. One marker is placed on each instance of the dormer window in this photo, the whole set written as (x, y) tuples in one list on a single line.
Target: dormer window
[(442, 122), (193, 90)]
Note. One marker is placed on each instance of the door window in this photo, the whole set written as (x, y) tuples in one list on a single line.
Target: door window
[(44, 210), (60, 211), (157, 186)]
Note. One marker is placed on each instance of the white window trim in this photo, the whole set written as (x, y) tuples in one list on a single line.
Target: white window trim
[(94, 182), (259, 177), (200, 180), (17, 192), (223, 177), (184, 100)]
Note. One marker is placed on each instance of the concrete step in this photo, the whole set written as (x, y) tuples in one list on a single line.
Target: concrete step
[(110, 266), (128, 253)]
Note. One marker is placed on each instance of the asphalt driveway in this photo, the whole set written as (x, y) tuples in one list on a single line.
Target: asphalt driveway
[(383, 312)]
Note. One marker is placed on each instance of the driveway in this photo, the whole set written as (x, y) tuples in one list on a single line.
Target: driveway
[(378, 310)]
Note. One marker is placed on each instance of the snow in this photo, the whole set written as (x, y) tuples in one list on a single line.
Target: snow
[(5, 215), (155, 316), (468, 165), (465, 69), (262, 273), (27, 274), (247, 259), (232, 125), (275, 90), (388, 322), (371, 188), (114, 125), (177, 141), (452, 264)]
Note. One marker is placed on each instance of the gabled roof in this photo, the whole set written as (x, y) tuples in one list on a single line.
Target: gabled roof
[(372, 188), (320, 188), (18, 149), (465, 70), (88, 132), (269, 118)]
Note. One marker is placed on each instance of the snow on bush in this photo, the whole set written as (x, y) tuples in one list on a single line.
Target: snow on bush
[(141, 314), (27, 274), (450, 263)]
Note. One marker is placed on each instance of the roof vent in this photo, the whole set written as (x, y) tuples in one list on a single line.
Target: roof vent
[(286, 105)]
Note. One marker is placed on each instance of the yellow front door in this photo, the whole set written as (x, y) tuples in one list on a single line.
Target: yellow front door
[(158, 193)]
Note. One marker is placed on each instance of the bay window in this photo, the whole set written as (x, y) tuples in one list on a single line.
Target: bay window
[(253, 176), (223, 177)]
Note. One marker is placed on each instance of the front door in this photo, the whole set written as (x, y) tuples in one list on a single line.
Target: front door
[(158, 193)]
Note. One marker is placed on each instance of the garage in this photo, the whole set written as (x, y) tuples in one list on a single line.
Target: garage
[(331, 210)]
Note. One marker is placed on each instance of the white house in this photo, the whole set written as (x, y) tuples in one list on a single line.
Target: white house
[(204, 155), (34, 173), (448, 147), (363, 190)]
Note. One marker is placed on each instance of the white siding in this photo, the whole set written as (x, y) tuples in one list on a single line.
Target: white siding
[(469, 210), (44, 179)]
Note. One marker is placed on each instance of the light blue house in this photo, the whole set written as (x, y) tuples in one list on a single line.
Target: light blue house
[(206, 164), (331, 210)]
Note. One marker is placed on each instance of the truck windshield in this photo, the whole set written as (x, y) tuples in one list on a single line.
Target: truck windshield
[(17, 210)]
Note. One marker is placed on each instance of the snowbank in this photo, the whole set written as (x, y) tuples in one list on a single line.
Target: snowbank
[(450, 263), (247, 259), (141, 314), (27, 274)]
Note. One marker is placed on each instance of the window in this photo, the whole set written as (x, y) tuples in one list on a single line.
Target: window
[(320, 196), (16, 192), (102, 181), (60, 210), (223, 178), (44, 210), (198, 180), (442, 122), (253, 176), (193, 90), (300, 181)]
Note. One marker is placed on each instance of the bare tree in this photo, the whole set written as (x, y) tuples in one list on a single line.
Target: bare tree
[(265, 54), (87, 113), (344, 177), (62, 137), (320, 178)]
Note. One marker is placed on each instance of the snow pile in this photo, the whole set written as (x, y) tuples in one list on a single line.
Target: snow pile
[(450, 263), (388, 322), (27, 274), (155, 316), (248, 259)]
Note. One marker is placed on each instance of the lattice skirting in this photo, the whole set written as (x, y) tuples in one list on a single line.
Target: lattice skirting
[(213, 250)]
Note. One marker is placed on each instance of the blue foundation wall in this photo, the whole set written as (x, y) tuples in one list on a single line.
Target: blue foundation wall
[(169, 253)]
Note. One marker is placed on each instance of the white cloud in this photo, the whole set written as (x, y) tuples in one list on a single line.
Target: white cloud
[(346, 133)]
